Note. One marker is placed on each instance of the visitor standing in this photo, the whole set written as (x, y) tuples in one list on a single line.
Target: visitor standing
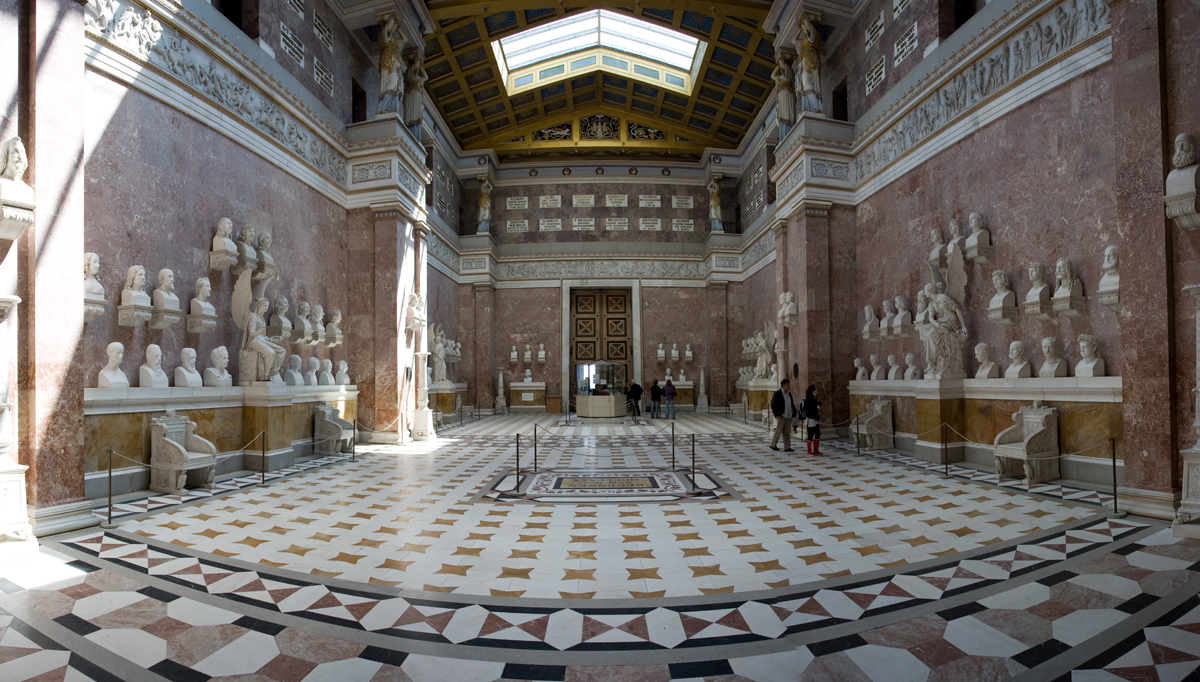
[(811, 409), (669, 395), (783, 406), (656, 393), (635, 396)]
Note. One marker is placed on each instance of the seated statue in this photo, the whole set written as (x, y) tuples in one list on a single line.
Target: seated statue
[(177, 454)]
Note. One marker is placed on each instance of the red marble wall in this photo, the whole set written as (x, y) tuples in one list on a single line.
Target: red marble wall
[(735, 297), (843, 283), (530, 316), (1043, 178), (761, 304), (501, 214), (1182, 71), (674, 315), (158, 181), (441, 304), (464, 296)]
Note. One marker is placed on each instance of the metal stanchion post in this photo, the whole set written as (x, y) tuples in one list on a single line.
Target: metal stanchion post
[(672, 441), (109, 523), (945, 453), (1115, 513), (857, 447), (693, 462), (535, 448), (263, 483)]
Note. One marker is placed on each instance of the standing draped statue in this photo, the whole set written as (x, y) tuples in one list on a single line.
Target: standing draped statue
[(784, 92), (414, 95), (391, 66), (808, 66)]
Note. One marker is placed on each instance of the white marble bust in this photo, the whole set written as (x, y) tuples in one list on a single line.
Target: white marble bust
[(662, 354), (318, 323), (1003, 306), (894, 373), (877, 373), (224, 250), (151, 374), (1019, 368), (247, 255), (93, 290), (889, 312), (302, 326), (528, 353), (14, 161), (200, 304), (674, 352), (923, 311), (512, 357), (165, 307), (914, 368), (343, 378), (217, 376), (956, 234), (292, 376), (1066, 284), (266, 262), (902, 320), (111, 375), (1179, 190), (1054, 366), (860, 373), (1091, 364), (937, 256), (1038, 289), (687, 353), (310, 374), (978, 247), (1110, 283), (325, 378), (529, 375), (333, 332), (541, 352), (870, 328), (186, 375), (280, 328), (134, 292), (987, 368)]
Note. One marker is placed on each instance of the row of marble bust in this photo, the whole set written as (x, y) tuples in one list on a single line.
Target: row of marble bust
[(1053, 366), (160, 309), (1067, 298), (152, 375), (661, 353), (308, 328), (513, 357), (1041, 302)]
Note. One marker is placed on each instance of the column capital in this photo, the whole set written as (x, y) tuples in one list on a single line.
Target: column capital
[(389, 210), (779, 227), (421, 228), (815, 209), (484, 287)]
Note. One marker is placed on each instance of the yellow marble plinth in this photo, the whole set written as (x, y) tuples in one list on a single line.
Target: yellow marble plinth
[(932, 413), (685, 396), (129, 434), (442, 402), (760, 400), (537, 397), (1080, 424)]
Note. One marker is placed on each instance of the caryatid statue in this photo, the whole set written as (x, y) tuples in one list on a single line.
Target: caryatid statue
[(808, 65), (785, 93), (391, 65), (485, 203), (414, 95), (714, 204)]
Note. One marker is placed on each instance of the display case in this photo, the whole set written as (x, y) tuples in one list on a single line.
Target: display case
[(600, 390)]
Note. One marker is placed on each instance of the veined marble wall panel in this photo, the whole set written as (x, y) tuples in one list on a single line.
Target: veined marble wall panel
[(158, 182), (674, 315), (129, 434), (441, 305), (530, 316), (1182, 66), (736, 326), (1054, 200), (467, 329), (843, 285), (761, 304), (530, 195)]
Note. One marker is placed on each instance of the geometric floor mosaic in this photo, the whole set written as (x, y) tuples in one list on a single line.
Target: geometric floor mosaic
[(395, 567)]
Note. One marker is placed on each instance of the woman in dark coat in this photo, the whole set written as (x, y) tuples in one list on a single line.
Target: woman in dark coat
[(811, 408)]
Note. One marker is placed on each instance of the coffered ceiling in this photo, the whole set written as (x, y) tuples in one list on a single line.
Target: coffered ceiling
[(600, 114)]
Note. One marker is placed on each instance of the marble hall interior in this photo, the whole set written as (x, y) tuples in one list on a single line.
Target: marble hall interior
[(630, 341)]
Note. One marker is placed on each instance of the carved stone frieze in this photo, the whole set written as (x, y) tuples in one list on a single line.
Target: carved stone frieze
[(143, 35), (559, 269), (1053, 32)]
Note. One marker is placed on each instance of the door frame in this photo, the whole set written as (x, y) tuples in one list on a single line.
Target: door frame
[(635, 302)]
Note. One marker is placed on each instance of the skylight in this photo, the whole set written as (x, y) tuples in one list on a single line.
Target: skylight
[(598, 28)]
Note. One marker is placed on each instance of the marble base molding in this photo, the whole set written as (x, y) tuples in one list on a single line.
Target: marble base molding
[(1153, 503), (14, 522), (62, 518)]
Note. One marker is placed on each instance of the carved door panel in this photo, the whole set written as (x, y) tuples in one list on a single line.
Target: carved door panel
[(601, 329)]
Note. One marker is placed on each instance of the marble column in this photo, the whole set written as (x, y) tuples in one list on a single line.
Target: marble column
[(1151, 484), (392, 252), (808, 277), (485, 363), (782, 254), (51, 376), (718, 321), (422, 420)]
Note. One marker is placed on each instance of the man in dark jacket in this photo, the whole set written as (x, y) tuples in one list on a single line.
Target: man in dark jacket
[(655, 399), (783, 406), (634, 395)]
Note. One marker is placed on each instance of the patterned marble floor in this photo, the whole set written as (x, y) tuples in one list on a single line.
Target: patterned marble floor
[(831, 568)]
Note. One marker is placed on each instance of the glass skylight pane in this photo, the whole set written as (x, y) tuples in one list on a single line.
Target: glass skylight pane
[(595, 28)]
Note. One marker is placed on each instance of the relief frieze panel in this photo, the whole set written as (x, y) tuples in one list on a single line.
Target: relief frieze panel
[(143, 35)]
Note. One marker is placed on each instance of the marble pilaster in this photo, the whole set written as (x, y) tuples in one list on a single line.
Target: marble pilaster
[(718, 319), (810, 342), (485, 373)]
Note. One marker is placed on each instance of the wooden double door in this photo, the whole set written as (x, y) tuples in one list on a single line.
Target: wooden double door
[(602, 329)]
